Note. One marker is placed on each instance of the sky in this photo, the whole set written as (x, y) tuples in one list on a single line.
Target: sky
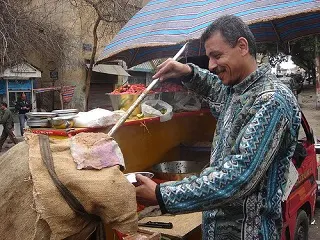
[(287, 65)]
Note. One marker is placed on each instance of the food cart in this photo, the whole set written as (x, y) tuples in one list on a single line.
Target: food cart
[(147, 141)]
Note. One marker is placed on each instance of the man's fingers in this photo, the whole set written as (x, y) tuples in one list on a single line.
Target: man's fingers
[(142, 179), (163, 69)]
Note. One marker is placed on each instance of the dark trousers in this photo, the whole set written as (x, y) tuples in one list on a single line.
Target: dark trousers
[(22, 120), (7, 132)]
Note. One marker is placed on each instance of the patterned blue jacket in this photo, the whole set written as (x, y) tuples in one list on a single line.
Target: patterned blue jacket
[(257, 129)]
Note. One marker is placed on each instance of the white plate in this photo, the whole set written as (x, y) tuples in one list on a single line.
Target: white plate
[(132, 176), (40, 115)]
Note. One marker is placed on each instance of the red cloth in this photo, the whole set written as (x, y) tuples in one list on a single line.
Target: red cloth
[(67, 93)]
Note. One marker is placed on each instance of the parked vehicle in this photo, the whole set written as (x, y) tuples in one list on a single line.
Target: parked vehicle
[(297, 81), (298, 209), (288, 81)]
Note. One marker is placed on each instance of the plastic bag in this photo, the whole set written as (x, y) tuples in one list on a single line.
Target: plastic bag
[(157, 108), (186, 102), (97, 118)]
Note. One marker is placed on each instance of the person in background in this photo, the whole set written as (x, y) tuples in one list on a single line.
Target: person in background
[(258, 120), (7, 122), (22, 106)]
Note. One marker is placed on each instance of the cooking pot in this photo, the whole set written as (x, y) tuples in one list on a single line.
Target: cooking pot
[(177, 170)]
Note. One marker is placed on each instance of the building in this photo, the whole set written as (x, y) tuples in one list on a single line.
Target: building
[(78, 21), (16, 80)]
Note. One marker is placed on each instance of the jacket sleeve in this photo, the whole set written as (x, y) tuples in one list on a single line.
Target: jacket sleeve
[(255, 149), (17, 106), (4, 117), (29, 105), (209, 86)]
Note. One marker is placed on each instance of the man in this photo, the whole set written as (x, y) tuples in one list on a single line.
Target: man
[(258, 120), (7, 122), (23, 106)]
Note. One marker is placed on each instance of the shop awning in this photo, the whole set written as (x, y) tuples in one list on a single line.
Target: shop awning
[(21, 71), (110, 69)]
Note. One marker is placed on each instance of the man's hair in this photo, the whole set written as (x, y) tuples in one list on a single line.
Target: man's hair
[(231, 28), (4, 104)]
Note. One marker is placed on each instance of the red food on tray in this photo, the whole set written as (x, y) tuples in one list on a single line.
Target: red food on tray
[(130, 89)]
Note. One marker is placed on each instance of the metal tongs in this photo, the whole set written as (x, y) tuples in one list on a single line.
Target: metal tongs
[(151, 224), (140, 98)]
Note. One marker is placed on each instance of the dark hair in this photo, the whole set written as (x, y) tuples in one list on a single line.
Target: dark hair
[(4, 104), (231, 28)]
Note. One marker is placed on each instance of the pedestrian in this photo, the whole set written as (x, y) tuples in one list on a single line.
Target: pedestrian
[(7, 122), (22, 106), (258, 120)]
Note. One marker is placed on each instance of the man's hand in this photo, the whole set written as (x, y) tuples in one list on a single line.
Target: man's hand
[(146, 192), (172, 69)]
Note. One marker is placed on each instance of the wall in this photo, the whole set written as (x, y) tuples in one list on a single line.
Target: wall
[(78, 22)]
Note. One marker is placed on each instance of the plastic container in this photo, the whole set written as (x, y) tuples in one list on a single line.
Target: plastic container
[(123, 101)]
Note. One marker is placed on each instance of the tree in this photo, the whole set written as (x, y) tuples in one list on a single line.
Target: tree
[(110, 16), (274, 52), (56, 29), (23, 31), (303, 53)]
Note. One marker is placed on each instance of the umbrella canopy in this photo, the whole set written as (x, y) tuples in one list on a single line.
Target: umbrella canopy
[(160, 28)]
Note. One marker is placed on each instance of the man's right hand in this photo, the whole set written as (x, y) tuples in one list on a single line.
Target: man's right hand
[(172, 69)]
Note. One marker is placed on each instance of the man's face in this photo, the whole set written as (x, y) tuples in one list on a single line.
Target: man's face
[(224, 60), (2, 107), (23, 97)]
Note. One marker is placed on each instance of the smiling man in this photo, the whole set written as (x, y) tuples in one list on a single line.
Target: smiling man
[(258, 121)]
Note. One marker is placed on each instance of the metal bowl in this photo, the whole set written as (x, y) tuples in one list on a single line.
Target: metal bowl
[(177, 170), (38, 123), (39, 115), (62, 122), (65, 112), (132, 177)]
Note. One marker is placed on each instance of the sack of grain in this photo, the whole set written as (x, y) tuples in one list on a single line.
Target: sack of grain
[(19, 220), (33, 207)]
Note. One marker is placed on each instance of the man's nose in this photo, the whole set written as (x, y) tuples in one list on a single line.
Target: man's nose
[(212, 64)]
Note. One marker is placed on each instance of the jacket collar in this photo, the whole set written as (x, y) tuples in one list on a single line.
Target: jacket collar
[(241, 87)]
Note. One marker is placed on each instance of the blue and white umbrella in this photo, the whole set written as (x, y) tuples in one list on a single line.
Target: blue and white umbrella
[(160, 28)]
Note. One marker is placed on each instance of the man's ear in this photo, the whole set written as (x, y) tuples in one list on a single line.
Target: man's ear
[(243, 46)]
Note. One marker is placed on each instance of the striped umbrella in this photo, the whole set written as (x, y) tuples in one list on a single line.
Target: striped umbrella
[(160, 28)]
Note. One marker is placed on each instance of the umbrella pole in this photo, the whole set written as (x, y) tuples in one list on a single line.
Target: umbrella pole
[(140, 98)]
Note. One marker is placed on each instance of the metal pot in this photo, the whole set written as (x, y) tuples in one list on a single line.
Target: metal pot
[(177, 170), (35, 123)]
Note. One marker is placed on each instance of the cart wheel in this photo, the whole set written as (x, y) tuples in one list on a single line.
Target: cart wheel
[(302, 226)]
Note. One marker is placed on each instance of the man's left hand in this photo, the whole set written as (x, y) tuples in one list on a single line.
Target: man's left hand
[(146, 192)]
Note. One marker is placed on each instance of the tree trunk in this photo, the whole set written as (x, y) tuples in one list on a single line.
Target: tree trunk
[(93, 55)]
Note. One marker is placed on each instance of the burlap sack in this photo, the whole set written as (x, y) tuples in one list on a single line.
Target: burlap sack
[(19, 219), (106, 192)]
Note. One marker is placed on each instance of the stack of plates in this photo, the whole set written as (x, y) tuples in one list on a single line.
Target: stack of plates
[(66, 112), (39, 119)]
